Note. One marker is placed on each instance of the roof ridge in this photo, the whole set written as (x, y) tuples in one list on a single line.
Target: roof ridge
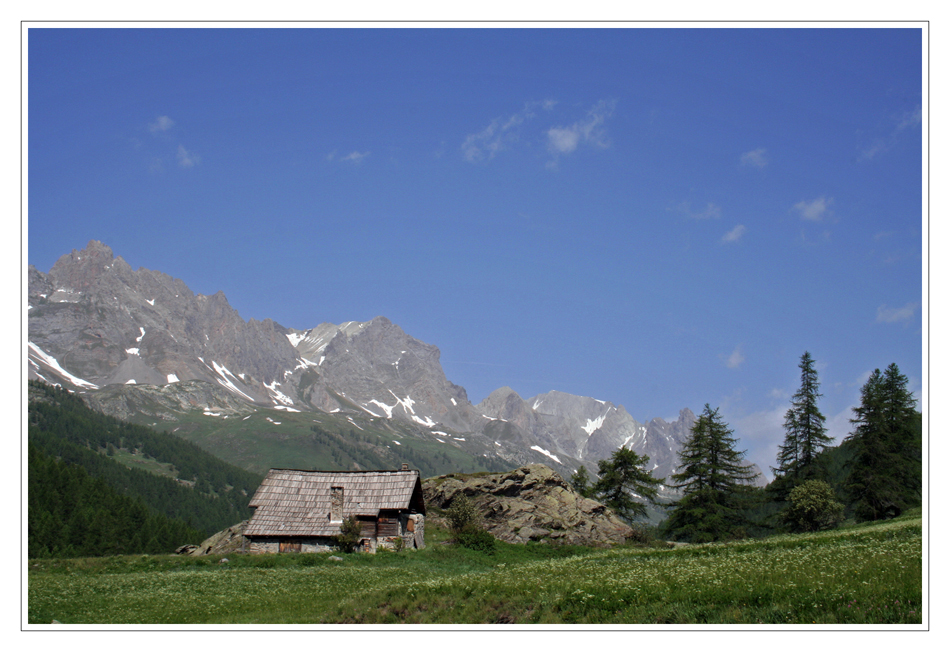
[(354, 472)]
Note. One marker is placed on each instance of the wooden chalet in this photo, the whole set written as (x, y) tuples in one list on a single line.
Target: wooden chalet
[(302, 511)]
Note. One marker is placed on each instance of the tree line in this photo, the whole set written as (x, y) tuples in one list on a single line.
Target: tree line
[(875, 473)]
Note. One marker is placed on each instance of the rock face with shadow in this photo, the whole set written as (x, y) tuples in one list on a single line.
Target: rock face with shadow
[(531, 503)]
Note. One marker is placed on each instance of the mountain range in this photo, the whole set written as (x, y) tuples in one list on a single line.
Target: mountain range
[(139, 343)]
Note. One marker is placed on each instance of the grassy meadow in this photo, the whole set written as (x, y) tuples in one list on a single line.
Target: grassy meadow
[(866, 574)]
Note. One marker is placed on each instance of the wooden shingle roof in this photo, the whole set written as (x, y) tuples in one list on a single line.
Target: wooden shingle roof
[(292, 502)]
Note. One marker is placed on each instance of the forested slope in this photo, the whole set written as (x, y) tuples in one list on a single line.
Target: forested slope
[(194, 490)]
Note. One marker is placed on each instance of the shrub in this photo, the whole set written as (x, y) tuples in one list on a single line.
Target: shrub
[(813, 507), (350, 534), (462, 514), (466, 526), (475, 538), (646, 535)]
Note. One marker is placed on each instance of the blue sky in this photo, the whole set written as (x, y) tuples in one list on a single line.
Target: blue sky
[(660, 218)]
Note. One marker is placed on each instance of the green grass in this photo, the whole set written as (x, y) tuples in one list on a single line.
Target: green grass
[(138, 461), (868, 574)]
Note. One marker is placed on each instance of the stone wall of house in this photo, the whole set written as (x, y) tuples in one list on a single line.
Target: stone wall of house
[(411, 531), (264, 545)]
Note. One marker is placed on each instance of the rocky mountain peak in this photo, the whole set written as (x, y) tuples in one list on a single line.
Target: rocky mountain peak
[(97, 325)]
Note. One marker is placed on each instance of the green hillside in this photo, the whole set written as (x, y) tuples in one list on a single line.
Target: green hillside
[(270, 438), (174, 478)]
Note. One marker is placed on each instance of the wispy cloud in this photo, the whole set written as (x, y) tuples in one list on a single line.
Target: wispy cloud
[(815, 210), (893, 315), (162, 123), (909, 119), (588, 130), (734, 359), (755, 158), (501, 133), (901, 123), (187, 159), (355, 157), (711, 211), (735, 234)]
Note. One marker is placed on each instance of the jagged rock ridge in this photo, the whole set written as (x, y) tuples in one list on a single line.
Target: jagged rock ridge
[(134, 340)]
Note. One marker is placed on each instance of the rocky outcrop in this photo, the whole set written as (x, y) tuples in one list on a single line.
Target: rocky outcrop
[(531, 503), (224, 542)]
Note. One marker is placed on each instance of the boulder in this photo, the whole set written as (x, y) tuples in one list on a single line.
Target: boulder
[(531, 503)]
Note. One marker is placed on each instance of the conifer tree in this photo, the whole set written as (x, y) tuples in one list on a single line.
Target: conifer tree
[(805, 434), (580, 481), (884, 476), (622, 477), (714, 478)]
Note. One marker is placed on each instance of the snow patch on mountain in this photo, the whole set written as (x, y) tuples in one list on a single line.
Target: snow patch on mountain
[(388, 409), (52, 362), (277, 394), (595, 424), (227, 382), (547, 453), (427, 422)]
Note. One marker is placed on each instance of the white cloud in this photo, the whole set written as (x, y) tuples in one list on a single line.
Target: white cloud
[(909, 119), (564, 140), (187, 159), (735, 234), (162, 123), (891, 315), (500, 134), (838, 426), (906, 120), (755, 158), (712, 211), (814, 210), (761, 433), (355, 157), (734, 359)]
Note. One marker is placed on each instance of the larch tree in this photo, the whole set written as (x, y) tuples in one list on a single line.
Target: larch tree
[(805, 434), (884, 476), (580, 481), (714, 479), (625, 485)]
